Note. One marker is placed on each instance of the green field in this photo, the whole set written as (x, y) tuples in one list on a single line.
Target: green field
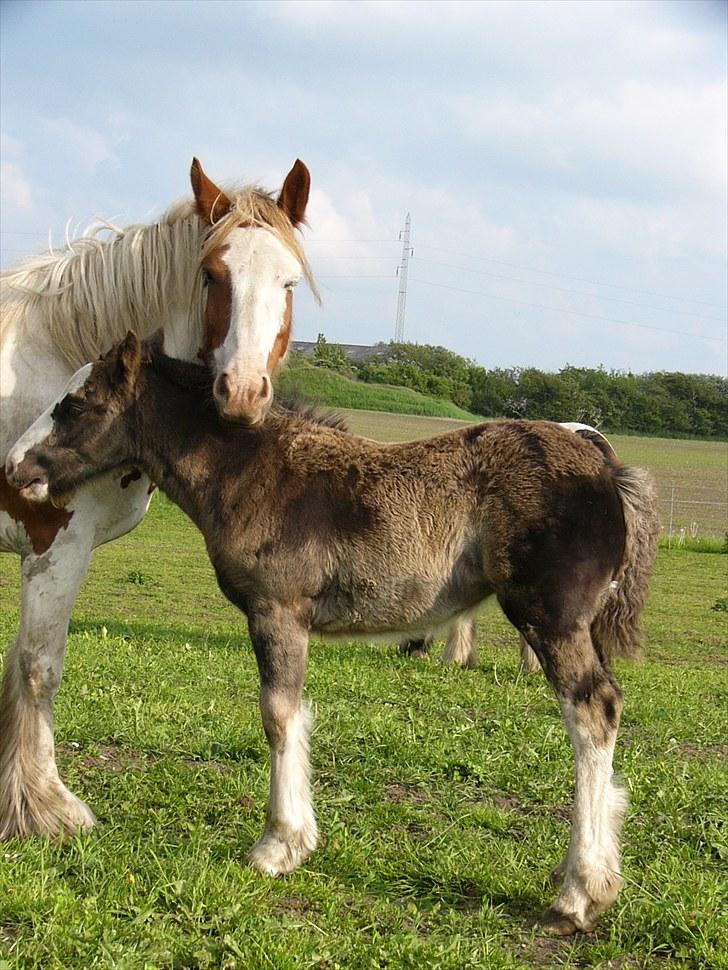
[(323, 386), (442, 795)]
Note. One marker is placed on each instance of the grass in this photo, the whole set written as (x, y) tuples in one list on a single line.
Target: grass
[(334, 390), (442, 795)]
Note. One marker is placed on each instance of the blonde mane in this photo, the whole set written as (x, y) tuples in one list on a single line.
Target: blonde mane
[(89, 294)]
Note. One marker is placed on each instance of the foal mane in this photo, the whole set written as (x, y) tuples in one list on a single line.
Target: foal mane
[(87, 295)]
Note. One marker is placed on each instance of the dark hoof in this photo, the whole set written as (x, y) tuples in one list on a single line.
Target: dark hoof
[(555, 923)]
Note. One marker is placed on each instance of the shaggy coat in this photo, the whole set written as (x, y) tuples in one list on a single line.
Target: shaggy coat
[(310, 528)]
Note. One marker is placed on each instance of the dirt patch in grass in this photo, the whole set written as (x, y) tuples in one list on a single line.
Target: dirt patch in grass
[(513, 805), (8, 935), (510, 804), (111, 757), (217, 766), (400, 792), (696, 752), (418, 833), (294, 906)]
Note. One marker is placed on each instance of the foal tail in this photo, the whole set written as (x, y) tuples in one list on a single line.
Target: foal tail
[(615, 629)]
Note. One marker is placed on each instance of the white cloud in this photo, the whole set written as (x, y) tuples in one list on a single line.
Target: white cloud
[(85, 145), (16, 191)]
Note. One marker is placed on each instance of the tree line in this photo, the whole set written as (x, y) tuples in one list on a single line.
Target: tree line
[(659, 403)]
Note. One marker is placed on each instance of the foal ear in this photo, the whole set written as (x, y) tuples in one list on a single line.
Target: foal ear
[(294, 194), (128, 359), (211, 202)]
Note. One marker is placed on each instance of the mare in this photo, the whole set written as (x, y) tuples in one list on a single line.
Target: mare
[(216, 273), (310, 528), (625, 601)]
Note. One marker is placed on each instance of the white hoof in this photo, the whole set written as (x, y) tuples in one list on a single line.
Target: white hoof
[(276, 856)]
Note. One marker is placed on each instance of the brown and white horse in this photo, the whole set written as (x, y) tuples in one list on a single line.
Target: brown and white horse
[(312, 529), (217, 273)]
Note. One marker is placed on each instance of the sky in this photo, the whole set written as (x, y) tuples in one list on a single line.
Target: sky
[(564, 164)]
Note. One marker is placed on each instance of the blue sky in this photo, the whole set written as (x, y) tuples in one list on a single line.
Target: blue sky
[(564, 164)]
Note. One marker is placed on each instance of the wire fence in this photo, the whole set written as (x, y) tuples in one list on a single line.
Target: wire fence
[(684, 516)]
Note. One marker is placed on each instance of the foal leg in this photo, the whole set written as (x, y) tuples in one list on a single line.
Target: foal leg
[(33, 799), (461, 643), (591, 705), (290, 834), (417, 649), (529, 660)]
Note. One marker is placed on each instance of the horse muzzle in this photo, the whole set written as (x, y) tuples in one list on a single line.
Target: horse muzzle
[(27, 477), (247, 403)]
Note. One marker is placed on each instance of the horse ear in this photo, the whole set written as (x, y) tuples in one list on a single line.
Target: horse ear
[(294, 194), (211, 202), (128, 358)]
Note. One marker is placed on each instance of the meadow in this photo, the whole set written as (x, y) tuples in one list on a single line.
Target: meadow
[(442, 795)]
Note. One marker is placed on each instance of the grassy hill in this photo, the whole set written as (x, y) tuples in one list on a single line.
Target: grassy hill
[(319, 385)]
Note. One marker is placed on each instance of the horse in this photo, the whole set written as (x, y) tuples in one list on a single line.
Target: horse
[(310, 528), (626, 599), (216, 273)]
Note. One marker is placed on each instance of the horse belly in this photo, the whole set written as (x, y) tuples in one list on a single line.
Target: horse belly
[(406, 594)]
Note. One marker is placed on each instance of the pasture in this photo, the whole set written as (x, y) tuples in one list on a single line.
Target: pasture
[(442, 795)]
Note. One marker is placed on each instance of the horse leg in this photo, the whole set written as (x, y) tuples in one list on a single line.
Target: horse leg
[(529, 659), (33, 799), (461, 647), (290, 834), (591, 705), (417, 649)]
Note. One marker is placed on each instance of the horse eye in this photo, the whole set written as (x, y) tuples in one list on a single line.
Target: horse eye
[(290, 285), (207, 277)]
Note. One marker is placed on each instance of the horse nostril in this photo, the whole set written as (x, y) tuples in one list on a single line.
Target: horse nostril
[(222, 387), (265, 389)]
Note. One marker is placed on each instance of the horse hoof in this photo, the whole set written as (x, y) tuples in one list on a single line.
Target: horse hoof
[(59, 817), (554, 923), (274, 857)]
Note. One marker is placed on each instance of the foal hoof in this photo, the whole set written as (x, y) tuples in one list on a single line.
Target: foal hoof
[(554, 923)]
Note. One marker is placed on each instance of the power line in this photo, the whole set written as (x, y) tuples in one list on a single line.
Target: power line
[(578, 279), (562, 289), (579, 313)]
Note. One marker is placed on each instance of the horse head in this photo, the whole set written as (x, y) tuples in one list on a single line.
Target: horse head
[(82, 434), (251, 264)]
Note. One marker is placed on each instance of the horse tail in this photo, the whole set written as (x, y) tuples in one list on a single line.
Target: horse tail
[(616, 630)]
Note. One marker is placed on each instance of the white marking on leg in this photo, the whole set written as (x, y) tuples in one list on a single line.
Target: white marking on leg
[(290, 833), (461, 646), (592, 873), (33, 799)]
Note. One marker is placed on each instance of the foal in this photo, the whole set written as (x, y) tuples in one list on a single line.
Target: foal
[(311, 528)]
